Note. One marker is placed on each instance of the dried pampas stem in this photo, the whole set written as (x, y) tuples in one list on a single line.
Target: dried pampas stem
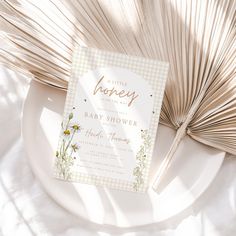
[(180, 134)]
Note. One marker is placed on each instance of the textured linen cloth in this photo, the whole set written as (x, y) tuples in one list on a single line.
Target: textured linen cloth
[(26, 209)]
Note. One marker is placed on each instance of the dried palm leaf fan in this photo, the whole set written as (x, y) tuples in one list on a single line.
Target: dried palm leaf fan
[(197, 38)]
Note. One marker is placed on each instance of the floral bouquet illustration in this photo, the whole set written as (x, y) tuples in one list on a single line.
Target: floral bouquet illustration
[(67, 148)]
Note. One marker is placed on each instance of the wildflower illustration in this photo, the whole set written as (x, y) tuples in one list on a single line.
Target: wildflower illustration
[(141, 159), (65, 155)]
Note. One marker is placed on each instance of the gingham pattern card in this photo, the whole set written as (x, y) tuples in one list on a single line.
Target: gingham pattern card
[(110, 119)]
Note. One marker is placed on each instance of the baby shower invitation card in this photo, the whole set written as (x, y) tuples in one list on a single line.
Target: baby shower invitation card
[(110, 119)]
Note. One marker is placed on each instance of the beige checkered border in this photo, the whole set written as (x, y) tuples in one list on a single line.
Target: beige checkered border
[(155, 72)]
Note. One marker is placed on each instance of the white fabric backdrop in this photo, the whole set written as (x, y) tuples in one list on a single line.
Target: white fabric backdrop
[(25, 208)]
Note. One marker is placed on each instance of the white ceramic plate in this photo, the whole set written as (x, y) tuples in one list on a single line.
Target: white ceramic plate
[(193, 169)]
